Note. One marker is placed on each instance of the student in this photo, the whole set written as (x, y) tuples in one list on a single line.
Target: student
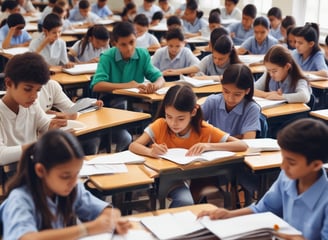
[(148, 8), (94, 42), (46, 11), (7, 7), (193, 23), (101, 9), (261, 42), (308, 54), (49, 45), (301, 190), (214, 21), (213, 65), (45, 198), (144, 38), (83, 14), (173, 22), (241, 31), (230, 10), (22, 120), (129, 12), (175, 54), (180, 10), (13, 33), (287, 22), (291, 41), (234, 111), (166, 8), (275, 18), (180, 125), (62, 10), (283, 78), (26, 7), (156, 18)]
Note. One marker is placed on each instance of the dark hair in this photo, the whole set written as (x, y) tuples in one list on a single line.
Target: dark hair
[(326, 40), (123, 29), (52, 1), (307, 137), (216, 34), (58, 9), (8, 4), (172, 20), (215, 10), (52, 149), (261, 21), (141, 20), (174, 34), (240, 75), (234, 1), (84, 4), (183, 99), (150, 1), (214, 18), (288, 21), (280, 56), (193, 6), (224, 45), (275, 12), (157, 15), (310, 32), (97, 31), (27, 67), (15, 19), (250, 10), (128, 7), (51, 21)]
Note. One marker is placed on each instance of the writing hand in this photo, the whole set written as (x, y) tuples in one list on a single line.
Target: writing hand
[(57, 123), (158, 149)]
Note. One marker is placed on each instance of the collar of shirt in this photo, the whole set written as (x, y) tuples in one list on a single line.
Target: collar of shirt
[(237, 109), (167, 55), (118, 55)]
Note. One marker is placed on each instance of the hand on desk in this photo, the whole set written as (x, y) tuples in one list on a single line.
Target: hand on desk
[(147, 88), (274, 95), (197, 149), (219, 213), (57, 123), (289, 237), (158, 149)]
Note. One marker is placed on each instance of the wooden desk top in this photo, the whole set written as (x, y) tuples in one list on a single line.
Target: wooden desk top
[(107, 118), (322, 114), (264, 161), (285, 109), (319, 84), (65, 78)]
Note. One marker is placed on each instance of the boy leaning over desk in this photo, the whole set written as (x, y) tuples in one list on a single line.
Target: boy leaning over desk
[(300, 194)]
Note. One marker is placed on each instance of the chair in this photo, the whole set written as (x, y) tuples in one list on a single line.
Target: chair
[(263, 133), (313, 101)]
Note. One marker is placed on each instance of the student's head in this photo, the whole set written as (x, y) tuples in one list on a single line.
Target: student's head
[(279, 64), (10, 6), (173, 22), (129, 12), (291, 40), (261, 28), (101, 3), (175, 41), (147, 4), (303, 146), (164, 4), (49, 168), (180, 110), (16, 20), (214, 21), (288, 21), (52, 26), (230, 5), (84, 8), (224, 52), (307, 39), (60, 11), (124, 37), (141, 24), (216, 34), (157, 17), (97, 35), (24, 76), (191, 12), (249, 14), (275, 17)]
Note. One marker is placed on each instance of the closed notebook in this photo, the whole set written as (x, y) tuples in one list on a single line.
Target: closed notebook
[(252, 60), (178, 155), (261, 145), (81, 69), (197, 83), (266, 103)]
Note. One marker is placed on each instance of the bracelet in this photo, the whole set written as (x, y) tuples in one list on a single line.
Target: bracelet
[(83, 231)]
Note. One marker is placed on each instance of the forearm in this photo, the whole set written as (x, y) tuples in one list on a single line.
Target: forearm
[(6, 41), (159, 83), (140, 149), (235, 146), (240, 212), (109, 87), (41, 47), (260, 93)]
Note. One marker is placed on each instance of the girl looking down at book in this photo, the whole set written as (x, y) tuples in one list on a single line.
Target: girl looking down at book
[(180, 124), (283, 79)]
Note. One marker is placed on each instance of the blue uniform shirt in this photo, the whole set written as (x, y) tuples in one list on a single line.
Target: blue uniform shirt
[(240, 33), (207, 66), (253, 47), (314, 62), (101, 12), (15, 40), (198, 25)]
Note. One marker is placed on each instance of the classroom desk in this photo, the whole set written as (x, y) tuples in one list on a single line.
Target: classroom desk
[(320, 114), (320, 90)]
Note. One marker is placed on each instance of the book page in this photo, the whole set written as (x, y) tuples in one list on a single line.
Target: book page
[(266, 103), (197, 83), (323, 112), (117, 158), (82, 104), (81, 69), (261, 144), (252, 59), (15, 50), (89, 170)]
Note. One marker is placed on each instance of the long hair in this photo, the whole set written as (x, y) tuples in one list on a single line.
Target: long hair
[(310, 32), (224, 45), (53, 148)]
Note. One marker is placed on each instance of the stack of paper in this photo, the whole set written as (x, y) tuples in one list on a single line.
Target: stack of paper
[(252, 60), (261, 145), (83, 105), (197, 83), (97, 169), (117, 158), (266, 103), (81, 69)]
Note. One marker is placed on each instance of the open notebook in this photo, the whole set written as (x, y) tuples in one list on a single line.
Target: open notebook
[(81, 69), (15, 50), (83, 105), (195, 82), (261, 145), (252, 60), (266, 103)]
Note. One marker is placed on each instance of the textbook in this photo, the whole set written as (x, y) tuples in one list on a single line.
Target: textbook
[(178, 155), (193, 82), (96, 169), (83, 105), (252, 225), (117, 158), (266, 103), (252, 60), (261, 145), (81, 69)]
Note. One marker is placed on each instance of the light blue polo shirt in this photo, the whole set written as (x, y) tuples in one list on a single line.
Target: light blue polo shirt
[(253, 47), (149, 14), (240, 33), (15, 40), (185, 58), (207, 66), (197, 26), (75, 16), (101, 12), (307, 212), (276, 33), (242, 118), (314, 62)]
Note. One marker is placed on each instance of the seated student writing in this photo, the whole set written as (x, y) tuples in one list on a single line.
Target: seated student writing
[(291, 41), (156, 18), (241, 31), (300, 194), (48, 43), (148, 8), (166, 8), (7, 8), (26, 7), (214, 21), (83, 15), (193, 23), (275, 18), (61, 11), (94, 42), (144, 38), (230, 10), (261, 42), (180, 124), (45, 197), (22, 119), (180, 10), (283, 78), (308, 54), (101, 9), (13, 33)]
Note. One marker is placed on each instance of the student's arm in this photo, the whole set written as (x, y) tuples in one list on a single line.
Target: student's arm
[(221, 213), (152, 87), (321, 73), (6, 41), (246, 46), (186, 70), (302, 93)]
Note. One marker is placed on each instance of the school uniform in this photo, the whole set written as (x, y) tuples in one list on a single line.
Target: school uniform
[(252, 46), (314, 62), (170, 11), (207, 66), (19, 129), (276, 33), (302, 92), (89, 52), (240, 33), (27, 7), (22, 216), (47, 10), (149, 14), (145, 40), (235, 14), (101, 12), (244, 117), (185, 58), (66, 25), (306, 212), (75, 16), (15, 40), (197, 26), (55, 54)]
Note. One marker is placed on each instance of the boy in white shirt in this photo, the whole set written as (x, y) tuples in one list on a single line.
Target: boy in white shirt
[(230, 10), (148, 8)]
